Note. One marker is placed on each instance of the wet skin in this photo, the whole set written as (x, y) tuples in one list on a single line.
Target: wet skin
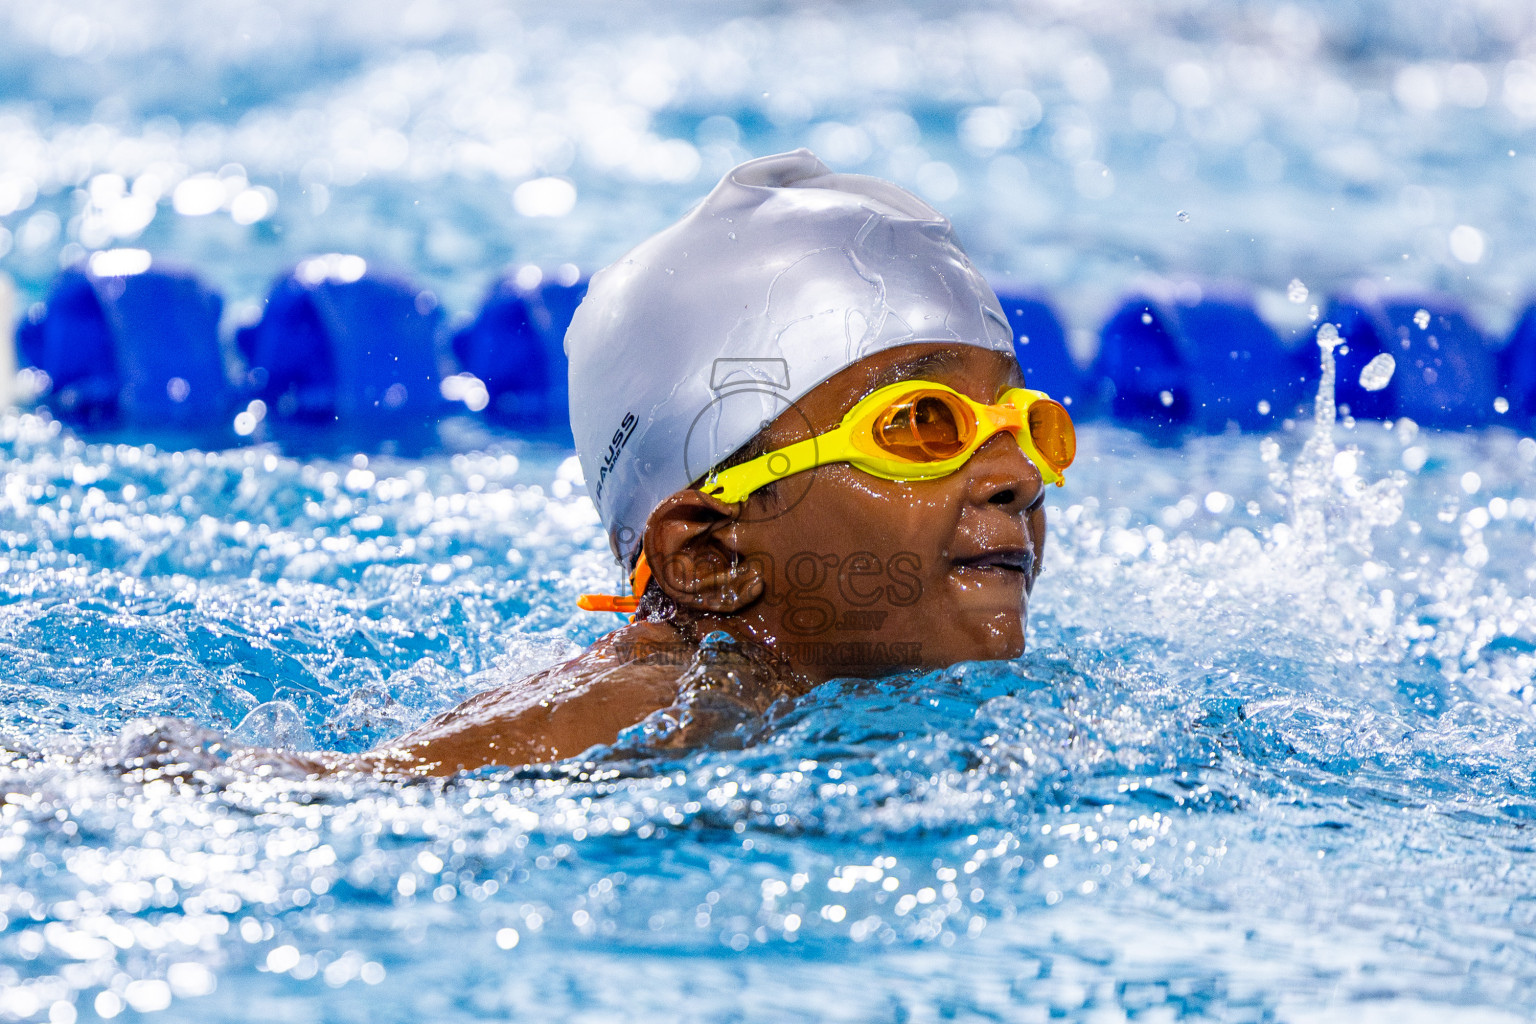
[(831, 573)]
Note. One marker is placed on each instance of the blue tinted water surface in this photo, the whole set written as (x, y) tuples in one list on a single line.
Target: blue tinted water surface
[(1242, 773), (1268, 757)]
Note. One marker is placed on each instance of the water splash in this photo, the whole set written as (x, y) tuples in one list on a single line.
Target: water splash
[(1331, 504), (276, 725)]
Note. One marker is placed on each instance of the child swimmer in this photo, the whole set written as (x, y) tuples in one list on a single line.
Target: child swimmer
[(803, 426)]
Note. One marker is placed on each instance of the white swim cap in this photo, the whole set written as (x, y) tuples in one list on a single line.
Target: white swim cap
[(702, 335)]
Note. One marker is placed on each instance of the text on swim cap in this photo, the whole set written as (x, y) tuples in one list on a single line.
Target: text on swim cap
[(615, 447)]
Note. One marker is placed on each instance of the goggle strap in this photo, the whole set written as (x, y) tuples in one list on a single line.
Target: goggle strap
[(737, 483)]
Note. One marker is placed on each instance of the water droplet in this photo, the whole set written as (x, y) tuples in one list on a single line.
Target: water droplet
[(1166, 397), (1501, 405), (1146, 318), (1296, 291), (1183, 217), (1264, 407), (1421, 319), (1377, 373)]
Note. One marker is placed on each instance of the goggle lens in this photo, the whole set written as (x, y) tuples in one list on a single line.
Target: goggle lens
[(932, 426), (1050, 427), (926, 427)]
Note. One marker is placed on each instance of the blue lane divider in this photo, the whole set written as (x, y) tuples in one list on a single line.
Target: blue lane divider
[(1446, 364), (124, 342), (1040, 343), (516, 347), (1140, 370), (1200, 365), (1517, 369), (1445, 372), (339, 344), (1240, 371)]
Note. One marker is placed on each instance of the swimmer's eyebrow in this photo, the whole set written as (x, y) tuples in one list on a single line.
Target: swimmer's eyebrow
[(916, 368), (931, 365)]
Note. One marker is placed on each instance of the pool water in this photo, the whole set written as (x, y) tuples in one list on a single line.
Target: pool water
[(1264, 760), (1268, 757)]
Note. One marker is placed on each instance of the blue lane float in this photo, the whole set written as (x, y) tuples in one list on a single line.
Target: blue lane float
[(127, 342), (1447, 364), (1516, 363), (1139, 368), (515, 347), (1446, 373), (1240, 372), (1040, 343), (124, 341), (338, 344), (1202, 364)]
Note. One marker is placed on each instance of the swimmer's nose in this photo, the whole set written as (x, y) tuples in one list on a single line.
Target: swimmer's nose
[(1002, 476)]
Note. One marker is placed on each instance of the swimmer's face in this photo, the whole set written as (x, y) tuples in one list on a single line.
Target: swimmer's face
[(851, 574)]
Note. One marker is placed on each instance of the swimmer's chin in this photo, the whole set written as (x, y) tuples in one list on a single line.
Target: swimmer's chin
[(991, 591), (998, 625), (1011, 641)]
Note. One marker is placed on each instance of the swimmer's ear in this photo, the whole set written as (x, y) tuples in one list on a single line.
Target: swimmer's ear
[(691, 545)]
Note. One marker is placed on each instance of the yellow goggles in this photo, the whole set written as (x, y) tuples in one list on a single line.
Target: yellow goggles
[(915, 430)]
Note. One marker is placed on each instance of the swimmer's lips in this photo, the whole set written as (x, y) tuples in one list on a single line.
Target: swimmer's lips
[(1019, 560)]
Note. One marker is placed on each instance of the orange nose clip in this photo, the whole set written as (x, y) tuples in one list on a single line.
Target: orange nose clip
[(618, 603)]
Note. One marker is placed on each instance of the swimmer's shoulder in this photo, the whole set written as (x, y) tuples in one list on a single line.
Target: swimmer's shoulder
[(642, 651), (557, 713)]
